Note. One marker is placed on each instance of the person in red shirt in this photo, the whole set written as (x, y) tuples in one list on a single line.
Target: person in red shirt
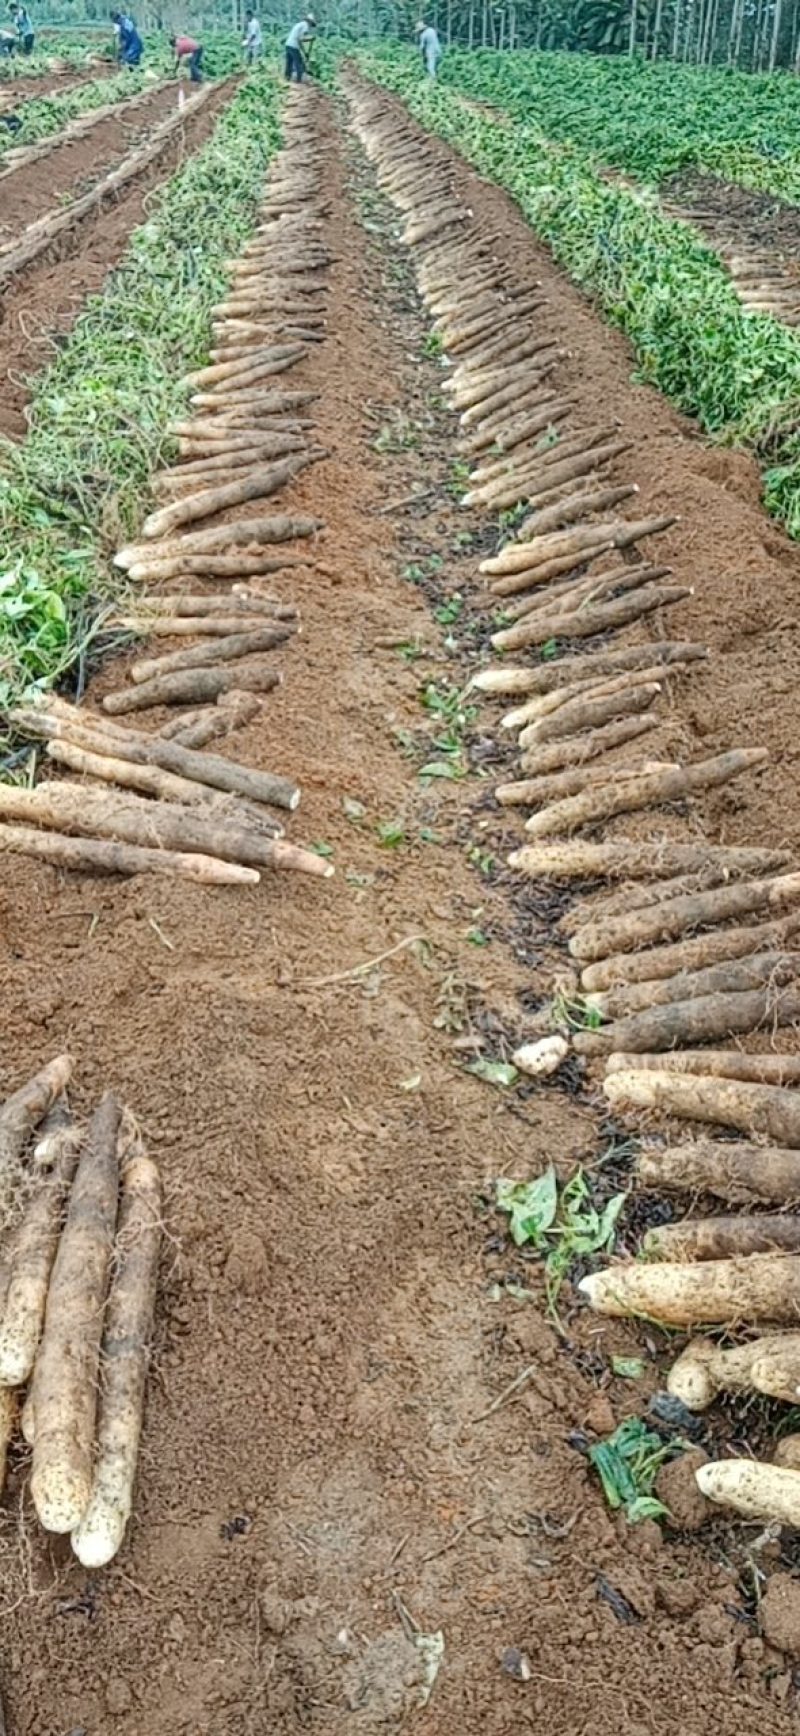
[(186, 48)]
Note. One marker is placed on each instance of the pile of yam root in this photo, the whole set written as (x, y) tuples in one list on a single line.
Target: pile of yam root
[(80, 1210), (138, 799), (695, 945)]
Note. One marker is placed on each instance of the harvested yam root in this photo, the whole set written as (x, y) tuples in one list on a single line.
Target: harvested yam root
[(762, 1109), (769, 1365), (92, 856), (724, 1238), (212, 770), (674, 916), (20, 1114), (701, 1019), (129, 820), (646, 792), (126, 1337), (774, 969), (575, 750), (722, 1063), (738, 1172), (769, 1493), (66, 1371), (756, 1287), (713, 947), (636, 861), (230, 646), (544, 677), (35, 1244), (190, 686)]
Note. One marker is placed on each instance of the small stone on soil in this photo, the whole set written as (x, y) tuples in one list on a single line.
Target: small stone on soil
[(516, 1664)]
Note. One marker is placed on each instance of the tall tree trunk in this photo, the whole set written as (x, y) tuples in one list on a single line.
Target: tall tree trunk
[(656, 30), (776, 27), (676, 30), (632, 30)]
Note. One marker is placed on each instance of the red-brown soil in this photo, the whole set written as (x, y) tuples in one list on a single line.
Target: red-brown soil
[(332, 1324), (14, 92), (41, 304)]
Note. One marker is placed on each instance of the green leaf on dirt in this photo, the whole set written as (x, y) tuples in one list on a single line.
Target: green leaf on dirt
[(574, 1227), (627, 1464), (477, 937), (320, 848), (412, 1083), (628, 1367), (427, 835), (494, 1072), (451, 768), (531, 1206), (390, 833)]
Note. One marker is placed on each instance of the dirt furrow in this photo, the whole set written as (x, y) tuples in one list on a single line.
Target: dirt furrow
[(41, 305), (325, 1471)]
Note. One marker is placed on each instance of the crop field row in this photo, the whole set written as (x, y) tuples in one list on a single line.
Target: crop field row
[(399, 1116), (738, 373), (648, 119)]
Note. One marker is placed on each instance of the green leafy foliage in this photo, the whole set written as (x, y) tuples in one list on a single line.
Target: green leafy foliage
[(627, 1464), (562, 1224)]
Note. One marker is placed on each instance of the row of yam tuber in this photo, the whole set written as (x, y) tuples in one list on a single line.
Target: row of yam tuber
[(81, 1214), (140, 801), (697, 944)]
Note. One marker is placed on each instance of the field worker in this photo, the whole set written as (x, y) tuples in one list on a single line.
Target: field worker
[(253, 38), (188, 48), (129, 42), (22, 19), (430, 47), (295, 59)]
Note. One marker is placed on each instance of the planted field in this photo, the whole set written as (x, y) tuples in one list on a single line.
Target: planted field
[(399, 1146)]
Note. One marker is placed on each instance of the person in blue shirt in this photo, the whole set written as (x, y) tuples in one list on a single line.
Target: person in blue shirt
[(25, 31), (295, 59), (129, 42), (430, 47)]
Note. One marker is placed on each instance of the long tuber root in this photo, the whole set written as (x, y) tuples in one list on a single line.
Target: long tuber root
[(20, 1114), (35, 1244), (769, 1493), (65, 1375), (629, 860), (722, 1063), (738, 1172), (763, 1109), (126, 1336), (757, 1286), (649, 791), (725, 1238)]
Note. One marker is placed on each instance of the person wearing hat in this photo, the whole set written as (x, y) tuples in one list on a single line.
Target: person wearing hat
[(430, 47), (295, 59)]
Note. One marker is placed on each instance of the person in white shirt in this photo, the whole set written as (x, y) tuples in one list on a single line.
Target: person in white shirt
[(253, 38), (295, 59), (430, 47)]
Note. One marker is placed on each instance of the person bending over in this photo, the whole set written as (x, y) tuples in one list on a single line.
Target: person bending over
[(24, 27), (189, 49), (129, 42), (301, 32)]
